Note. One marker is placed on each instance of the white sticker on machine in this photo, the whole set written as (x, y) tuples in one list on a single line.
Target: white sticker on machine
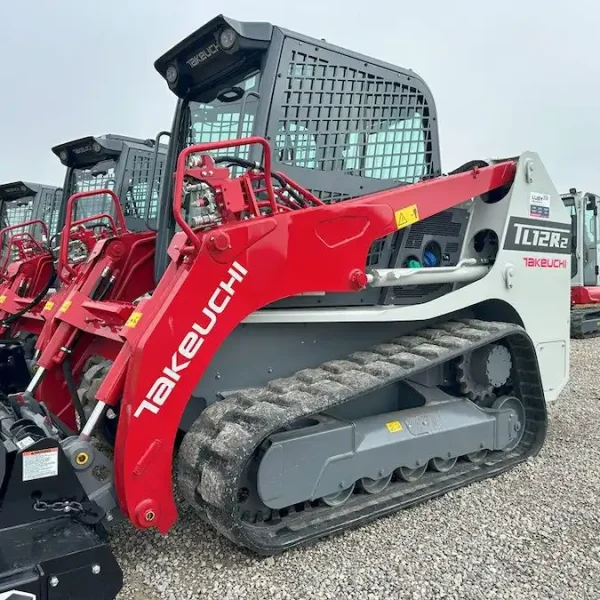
[(539, 205), (39, 464), (17, 595), (25, 443)]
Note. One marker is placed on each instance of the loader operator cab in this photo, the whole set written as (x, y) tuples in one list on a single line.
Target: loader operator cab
[(340, 123), (130, 167), (122, 164), (585, 242), (22, 201)]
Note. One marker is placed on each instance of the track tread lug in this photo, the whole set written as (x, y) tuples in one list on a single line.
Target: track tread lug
[(363, 358), (338, 366), (381, 369), (357, 380), (407, 360), (311, 376)]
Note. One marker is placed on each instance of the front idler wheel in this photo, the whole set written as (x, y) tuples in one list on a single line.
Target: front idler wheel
[(517, 421)]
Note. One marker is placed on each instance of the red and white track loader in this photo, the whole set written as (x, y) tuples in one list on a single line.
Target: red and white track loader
[(337, 330)]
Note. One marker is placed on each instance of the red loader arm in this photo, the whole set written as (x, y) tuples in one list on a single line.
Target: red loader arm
[(25, 278), (63, 264), (219, 277), (25, 244), (94, 300)]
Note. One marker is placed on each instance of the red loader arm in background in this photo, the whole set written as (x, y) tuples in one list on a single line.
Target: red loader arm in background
[(219, 277), (36, 264), (25, 244), (94, 300), (74, 231), (71, 226), (24, 279)]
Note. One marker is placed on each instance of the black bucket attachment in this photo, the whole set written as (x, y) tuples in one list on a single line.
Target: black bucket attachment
[(57, 559), (52, 544)]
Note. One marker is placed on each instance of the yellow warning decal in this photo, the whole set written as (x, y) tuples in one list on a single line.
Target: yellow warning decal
[(394, 426), (407, 216), (2, 299), (65, 306), (134, 319), (49, 305)]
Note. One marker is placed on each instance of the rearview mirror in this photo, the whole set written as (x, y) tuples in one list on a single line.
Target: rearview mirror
[(591, 202)]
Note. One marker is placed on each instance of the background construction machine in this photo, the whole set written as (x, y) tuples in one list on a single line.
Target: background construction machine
[(119, 163), (334, 333), (585, 263), (21, 201), (129, 166)]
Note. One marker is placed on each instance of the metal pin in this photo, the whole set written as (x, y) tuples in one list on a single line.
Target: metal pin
[(86, 434), (35, 380)]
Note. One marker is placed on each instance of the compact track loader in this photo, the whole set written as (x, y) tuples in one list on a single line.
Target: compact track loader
[(338, 330), (585, 261), (96, 166), (28, 219), (21, 201)]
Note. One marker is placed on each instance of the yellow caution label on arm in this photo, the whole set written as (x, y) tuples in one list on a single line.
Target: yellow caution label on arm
[(65, 306), (406, 216), (134, 319), (394, 426), (49, 305), (2, 299)]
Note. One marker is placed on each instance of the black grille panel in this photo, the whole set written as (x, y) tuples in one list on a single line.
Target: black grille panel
[(439, 224), (346, 119), (330, 197), (19, 211), (86, 180), (376, 252), (443, 233), (417, 291), (50, 207), (137, 191), (451, 247)]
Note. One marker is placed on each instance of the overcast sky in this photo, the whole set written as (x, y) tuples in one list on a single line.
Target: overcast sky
[(507, 76)]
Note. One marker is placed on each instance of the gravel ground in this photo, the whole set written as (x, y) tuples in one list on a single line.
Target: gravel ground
[(532, 533)]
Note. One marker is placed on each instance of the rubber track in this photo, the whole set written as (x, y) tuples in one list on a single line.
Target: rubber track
[(216, 450), (578, 318)]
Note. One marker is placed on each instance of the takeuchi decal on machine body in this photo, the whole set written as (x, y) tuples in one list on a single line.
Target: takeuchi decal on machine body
[(545, 263), (162, 387)]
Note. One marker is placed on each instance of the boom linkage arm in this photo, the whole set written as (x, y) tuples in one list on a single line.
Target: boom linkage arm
[(117, 227), (20, 240), (220, 275)]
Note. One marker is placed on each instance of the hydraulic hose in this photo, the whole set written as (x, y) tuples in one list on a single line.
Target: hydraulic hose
[(491, 196), (469, 166), (73, 391), (8, 320), (241, 162)]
